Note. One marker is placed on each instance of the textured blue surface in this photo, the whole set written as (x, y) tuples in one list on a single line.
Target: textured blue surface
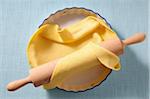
[(20, 18)]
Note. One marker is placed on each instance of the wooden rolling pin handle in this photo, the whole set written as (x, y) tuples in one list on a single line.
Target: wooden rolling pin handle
[(18, 84), (137, 38)]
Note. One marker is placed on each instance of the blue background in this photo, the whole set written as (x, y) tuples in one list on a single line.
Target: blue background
[(20, 18)]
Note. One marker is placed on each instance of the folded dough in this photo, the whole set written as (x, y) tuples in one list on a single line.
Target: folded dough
[(83, 64)]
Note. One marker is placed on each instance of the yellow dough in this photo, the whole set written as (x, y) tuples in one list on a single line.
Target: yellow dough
[(83, 63)]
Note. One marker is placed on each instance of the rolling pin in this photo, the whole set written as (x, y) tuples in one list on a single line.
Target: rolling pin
[(38, 77)]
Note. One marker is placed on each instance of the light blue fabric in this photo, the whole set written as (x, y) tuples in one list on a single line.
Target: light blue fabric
[(20, 18)]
